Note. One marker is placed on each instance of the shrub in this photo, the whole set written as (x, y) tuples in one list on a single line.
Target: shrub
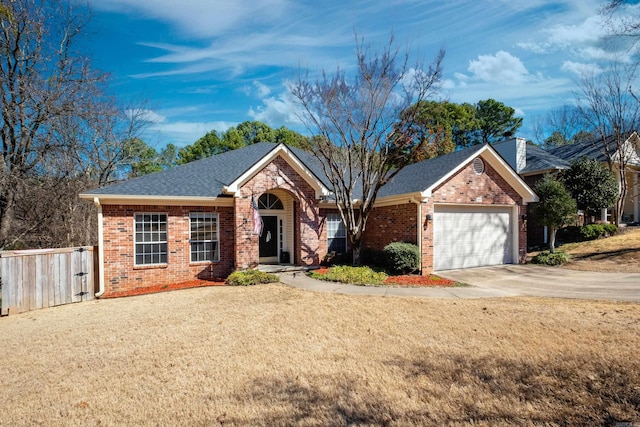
[(250, 278), (402, 258), (610, 229), (592, 231), (352, 275), (374, 258), (548, 258)]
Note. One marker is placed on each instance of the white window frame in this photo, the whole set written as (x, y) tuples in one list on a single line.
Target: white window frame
[(334, 233), (146, 237), (210, 254)]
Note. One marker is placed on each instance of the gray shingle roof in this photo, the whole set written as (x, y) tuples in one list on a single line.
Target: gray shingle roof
[(542, 160), (420, 176), (202, 178), (207, 177), (591, 149)]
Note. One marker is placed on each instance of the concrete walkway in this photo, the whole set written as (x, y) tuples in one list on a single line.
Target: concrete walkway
[(496, 282)]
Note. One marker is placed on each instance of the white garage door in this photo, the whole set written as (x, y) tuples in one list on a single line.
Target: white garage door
[(470, 236)]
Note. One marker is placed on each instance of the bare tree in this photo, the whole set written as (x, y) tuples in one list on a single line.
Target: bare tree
[(560, 126), (608, 102), (43, 82), (364, 140)]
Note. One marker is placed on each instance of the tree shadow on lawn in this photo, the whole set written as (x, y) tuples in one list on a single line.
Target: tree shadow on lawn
[(452, 390), (601, 256), (563, 391)]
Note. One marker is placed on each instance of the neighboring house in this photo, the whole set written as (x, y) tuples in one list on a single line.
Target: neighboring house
[(532, 163), (464, 209)]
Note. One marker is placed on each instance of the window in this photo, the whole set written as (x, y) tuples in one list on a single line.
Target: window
[(336, 234), (204, 236), (151, 238), (269, 201)]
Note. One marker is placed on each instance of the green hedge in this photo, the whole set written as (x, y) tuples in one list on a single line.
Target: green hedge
[(401, 257), (250, 278), (548, 258), (586, 232), (352, 275)]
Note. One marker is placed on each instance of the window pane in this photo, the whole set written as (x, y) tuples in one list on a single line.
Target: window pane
[(204, 236), (150, 239)]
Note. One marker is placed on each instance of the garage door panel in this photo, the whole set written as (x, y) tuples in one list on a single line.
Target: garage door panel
[(471, 236)]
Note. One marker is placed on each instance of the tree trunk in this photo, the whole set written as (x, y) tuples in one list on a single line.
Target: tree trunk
[(356, 249), (552, 239), (7, 213)]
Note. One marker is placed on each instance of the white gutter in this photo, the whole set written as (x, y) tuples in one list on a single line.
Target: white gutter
[(96, 201)]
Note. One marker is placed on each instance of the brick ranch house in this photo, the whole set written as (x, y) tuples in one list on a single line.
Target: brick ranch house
[(196, 221)]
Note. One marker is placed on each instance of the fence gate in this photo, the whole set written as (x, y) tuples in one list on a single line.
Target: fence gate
[(40, 278)]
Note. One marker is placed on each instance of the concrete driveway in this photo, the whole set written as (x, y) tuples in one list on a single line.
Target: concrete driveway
[(542, 281)]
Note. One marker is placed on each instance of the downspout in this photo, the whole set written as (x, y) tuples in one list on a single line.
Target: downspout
[(419, 227), (96, 202)]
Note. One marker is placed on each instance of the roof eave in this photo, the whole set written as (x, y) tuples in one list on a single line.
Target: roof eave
[(127, 199)]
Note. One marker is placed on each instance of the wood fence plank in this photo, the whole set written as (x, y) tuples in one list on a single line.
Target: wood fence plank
[(40, 282), (55, 277), (17, 302), (75, 277), (7, 293), (51, 283), (41, 278), (87, 279)]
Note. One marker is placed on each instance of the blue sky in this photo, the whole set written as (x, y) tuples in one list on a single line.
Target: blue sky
[(210, 64)]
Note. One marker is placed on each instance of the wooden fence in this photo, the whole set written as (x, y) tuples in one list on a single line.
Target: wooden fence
[(34, 279)]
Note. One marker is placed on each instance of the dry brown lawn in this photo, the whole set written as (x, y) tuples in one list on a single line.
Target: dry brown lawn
[(620, 253), (273, 355)]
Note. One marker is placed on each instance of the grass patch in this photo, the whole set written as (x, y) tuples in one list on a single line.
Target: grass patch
[(351, 275), (275, 355), (250, 278)]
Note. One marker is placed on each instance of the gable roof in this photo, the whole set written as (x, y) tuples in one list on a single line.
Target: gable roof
[(206, 178), (423, 177), (419, 176), (220, 176)]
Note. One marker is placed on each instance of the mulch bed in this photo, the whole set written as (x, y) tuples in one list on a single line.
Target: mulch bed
[(415, 280), (163, 288), (408, 280)]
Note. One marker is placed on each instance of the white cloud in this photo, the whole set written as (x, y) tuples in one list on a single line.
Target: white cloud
[(581, 69), (202, 18), (277, 111), (263, 90), (500, 68), (144, 115), (182, 132), (590, 30)]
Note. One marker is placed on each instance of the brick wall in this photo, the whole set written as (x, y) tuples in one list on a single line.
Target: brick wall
[(308, 245), (465, 187), (387, 224), (120, 273)]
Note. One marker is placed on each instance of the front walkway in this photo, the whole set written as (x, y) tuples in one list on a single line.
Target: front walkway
[(496, 282)]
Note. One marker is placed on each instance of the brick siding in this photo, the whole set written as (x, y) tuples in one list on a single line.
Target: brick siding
[(120, 273), (387, 224), (465, 187), (309, 247)]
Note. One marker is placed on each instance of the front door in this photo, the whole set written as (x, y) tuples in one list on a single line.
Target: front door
[(269, 239)]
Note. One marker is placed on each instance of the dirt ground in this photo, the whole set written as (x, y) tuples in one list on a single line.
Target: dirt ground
[(620, 253), (274, 355)]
